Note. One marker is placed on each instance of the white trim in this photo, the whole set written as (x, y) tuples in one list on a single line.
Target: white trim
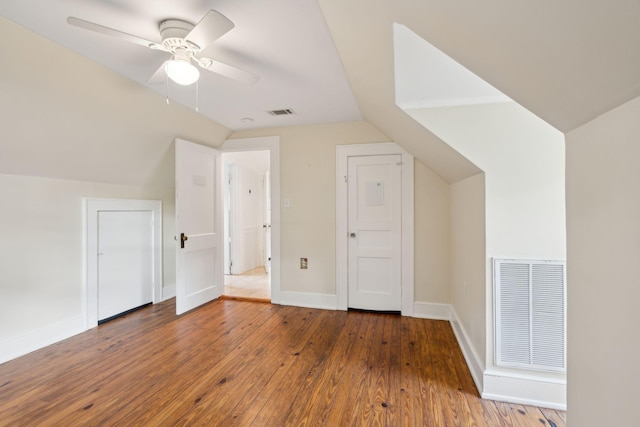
[(433, 311), (90, 236), (528, 388), (271, 143), (309, 300), (525, 389), (342, 277), (476, 367), (39, 338)]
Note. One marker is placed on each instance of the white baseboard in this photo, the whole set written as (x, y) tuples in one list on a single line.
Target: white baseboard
[(434, 311), (309, 300), (527, 389), (34, 340), (168, 292), (474, 362)]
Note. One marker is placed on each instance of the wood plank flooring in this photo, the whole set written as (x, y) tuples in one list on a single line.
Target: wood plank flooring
[(253, 285), (251, 364)]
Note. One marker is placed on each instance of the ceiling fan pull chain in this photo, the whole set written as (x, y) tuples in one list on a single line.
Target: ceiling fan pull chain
[(167, 76), (197, 97)]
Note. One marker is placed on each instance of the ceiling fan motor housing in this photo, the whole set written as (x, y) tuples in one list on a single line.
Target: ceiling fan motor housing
[(173, 32)]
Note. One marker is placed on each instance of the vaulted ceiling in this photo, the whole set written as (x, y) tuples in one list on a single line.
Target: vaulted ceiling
[(333, 60), (285, 43), (567, 62)]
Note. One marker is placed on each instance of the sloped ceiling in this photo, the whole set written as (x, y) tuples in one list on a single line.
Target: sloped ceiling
[(58, 123), (285, 43), (363, 34), (567, 62)]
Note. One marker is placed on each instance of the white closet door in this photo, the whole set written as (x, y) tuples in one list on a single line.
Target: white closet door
[(125, 261)]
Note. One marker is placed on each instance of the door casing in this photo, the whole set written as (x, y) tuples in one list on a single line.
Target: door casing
[(271, 143), (343, 152)]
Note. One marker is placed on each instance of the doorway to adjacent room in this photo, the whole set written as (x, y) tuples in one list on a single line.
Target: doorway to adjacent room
[(247, 224)]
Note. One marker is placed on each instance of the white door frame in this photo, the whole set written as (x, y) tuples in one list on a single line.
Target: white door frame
[(91, 208), (343, 152), (266, 188), (271, 143), (230, 220)]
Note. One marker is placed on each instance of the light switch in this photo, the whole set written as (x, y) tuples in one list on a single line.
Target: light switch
[(287, 203)]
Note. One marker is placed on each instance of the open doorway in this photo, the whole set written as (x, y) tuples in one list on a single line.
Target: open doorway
[(247, 224)]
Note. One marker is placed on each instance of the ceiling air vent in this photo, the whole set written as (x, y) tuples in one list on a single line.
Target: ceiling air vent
[(283, 112)]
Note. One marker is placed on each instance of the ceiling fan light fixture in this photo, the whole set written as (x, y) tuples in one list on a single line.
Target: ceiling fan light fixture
[(182, 71)]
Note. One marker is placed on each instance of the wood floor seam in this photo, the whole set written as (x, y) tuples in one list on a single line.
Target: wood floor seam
[(241, 363)]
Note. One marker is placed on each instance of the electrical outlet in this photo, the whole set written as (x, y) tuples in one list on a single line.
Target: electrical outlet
[(303, 263)]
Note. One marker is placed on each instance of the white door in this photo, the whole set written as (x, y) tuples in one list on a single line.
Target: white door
[(374, 227), (199, 226), (125, 261)]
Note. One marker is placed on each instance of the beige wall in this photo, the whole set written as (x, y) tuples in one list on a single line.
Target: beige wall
[(79, 130), (431, 237), (308, 180), (603, 230), (524, 209), (70, 131), (308, 171), (468, 266)]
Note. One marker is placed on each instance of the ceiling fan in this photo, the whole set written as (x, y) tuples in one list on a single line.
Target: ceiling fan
[(184, 41)]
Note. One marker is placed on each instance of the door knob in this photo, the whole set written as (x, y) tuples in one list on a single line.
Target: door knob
[(183, 238), (352, 235)]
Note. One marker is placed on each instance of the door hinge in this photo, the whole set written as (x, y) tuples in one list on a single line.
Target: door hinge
[(346, 179)]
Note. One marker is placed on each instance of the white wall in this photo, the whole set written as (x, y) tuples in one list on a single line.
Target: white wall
[(248, 234), (603, 230), (42, 247), (74, 129), (523, 161), (468, 266), (524, 213)]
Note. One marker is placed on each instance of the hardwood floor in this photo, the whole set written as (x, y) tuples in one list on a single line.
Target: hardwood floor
[(243, 363), (252, 285)]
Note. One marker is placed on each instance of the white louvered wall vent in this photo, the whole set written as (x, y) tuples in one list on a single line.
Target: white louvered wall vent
[(530, 314)]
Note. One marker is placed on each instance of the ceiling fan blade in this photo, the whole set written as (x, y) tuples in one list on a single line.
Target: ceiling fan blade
[(228, 71), (210, 28), (160, 76), (81, 23)]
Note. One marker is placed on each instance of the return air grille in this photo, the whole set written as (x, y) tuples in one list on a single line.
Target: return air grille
[(530, 314), (283, 112)]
